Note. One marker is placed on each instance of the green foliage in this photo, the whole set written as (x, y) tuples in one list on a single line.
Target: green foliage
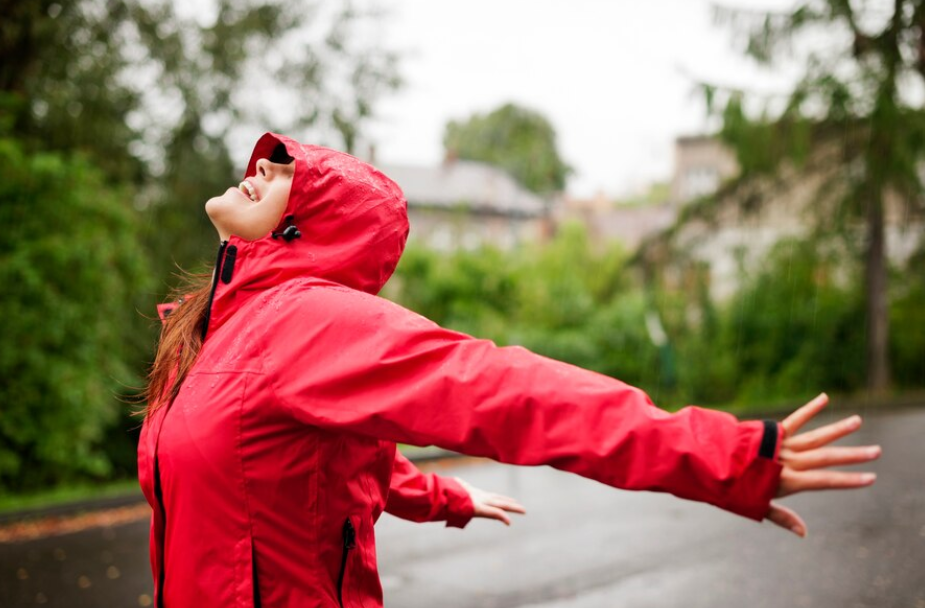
[(151, 94), (856, 110), (795, 327), (762, 143), (519, 140), (72, 270), (907, 319)]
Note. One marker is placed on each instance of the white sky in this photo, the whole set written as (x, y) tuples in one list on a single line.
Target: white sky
[(616, 78)]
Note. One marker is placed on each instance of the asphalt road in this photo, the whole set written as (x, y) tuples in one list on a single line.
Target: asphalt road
[(584, 545)]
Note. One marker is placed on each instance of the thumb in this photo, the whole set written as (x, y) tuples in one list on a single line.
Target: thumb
[(787, 519)]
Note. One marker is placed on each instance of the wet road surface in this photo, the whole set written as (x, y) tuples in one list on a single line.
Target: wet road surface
[(584, 545)]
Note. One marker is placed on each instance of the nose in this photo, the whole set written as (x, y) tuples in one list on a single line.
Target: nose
[(264, 168)]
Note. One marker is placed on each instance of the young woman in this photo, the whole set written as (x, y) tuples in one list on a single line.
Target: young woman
[(280, 390)]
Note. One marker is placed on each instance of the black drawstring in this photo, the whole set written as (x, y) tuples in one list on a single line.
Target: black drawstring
[(218, 271)]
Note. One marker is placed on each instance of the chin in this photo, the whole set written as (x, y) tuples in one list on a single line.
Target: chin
[(218, 208), (214, 207)]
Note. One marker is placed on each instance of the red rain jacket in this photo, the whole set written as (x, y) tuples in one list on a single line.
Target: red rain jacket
[(269, 470)]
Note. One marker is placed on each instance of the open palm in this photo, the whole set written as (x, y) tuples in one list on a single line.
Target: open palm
[(806, 456)]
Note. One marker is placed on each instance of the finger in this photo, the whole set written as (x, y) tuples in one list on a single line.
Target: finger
[(502, 498), (792, 481), (823, 435), (494, 513), (787, 519), (797, 419), (829, 457), (508, 504)]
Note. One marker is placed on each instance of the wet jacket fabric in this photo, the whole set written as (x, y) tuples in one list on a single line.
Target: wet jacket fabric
[(268, 472)]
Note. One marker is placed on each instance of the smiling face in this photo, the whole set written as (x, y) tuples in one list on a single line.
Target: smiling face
[(256, 206)]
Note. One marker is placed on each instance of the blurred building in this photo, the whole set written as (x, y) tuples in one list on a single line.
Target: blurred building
[(606, 221), (701, 164), (718, 239), (466, 204)]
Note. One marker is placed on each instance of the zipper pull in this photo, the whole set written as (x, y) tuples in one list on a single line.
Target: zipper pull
[(231, 253), (350, 535), (215, 276)]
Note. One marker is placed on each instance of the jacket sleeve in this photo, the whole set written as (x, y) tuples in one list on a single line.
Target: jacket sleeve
[(421, 497), (344, 360)]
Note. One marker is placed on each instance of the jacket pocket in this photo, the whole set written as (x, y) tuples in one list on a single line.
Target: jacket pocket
[(254, 577), (349, 544)]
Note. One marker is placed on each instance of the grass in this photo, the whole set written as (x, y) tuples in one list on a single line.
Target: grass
[(66, 494)]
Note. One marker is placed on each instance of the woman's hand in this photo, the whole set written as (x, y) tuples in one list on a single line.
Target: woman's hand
[(804, 457), (490, 505)]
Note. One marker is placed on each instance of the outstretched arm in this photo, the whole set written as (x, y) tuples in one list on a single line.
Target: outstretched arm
[(375, 369)]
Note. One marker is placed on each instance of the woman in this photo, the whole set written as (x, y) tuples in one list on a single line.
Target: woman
[(280, 390)]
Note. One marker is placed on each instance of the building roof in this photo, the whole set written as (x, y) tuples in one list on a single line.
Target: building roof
[(465, 184)]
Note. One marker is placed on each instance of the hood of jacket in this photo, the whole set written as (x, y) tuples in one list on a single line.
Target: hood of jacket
[(351, 218)]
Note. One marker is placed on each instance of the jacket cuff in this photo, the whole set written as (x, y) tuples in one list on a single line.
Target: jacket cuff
[(459, 507), (752, 494)]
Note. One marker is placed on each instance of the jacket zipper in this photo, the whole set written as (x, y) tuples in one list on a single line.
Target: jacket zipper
[(350, 538), (215, 276)]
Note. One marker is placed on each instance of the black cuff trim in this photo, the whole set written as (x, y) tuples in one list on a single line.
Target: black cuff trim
[(768, 440)]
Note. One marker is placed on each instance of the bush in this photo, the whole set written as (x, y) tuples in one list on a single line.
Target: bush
[(907, 325), (795, 328), (71, 266)]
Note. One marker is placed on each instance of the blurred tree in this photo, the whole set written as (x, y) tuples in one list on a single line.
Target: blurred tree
[(519, 140), (858, 99), (152, 92), (72, 266)]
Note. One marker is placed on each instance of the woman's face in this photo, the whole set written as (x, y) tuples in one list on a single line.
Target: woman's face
[(256, 206)]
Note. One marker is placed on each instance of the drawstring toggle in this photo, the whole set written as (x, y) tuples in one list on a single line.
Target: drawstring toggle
[(290, 232)]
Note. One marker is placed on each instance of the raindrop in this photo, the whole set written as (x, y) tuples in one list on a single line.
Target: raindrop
[(84, 582), (144, 600), (59, 554), (41, 598), (22, 574), (113, 573), (106, 557)]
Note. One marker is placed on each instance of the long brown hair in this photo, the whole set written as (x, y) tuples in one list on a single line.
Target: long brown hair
[(180, 342)]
